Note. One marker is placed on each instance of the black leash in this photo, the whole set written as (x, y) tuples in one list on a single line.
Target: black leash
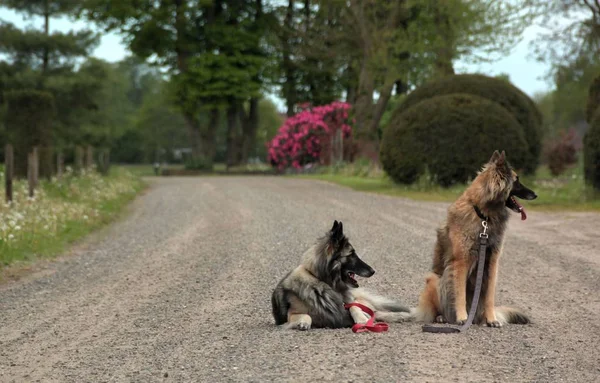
[(483, 240)]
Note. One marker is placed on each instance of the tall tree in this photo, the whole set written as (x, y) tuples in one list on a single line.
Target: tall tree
[(310, 70), (41, 60), (571, 30), (170, 33), (399, 44)]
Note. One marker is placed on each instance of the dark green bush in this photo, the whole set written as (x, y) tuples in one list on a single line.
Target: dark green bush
[(591, 152), (199, 163), (593, 100), (451, 136), (28, 120), (511, 98)]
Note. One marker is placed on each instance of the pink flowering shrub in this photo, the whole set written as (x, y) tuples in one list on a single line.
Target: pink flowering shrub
[(300, 139)]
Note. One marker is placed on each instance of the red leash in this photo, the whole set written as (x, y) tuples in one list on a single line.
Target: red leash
[(370, 325)]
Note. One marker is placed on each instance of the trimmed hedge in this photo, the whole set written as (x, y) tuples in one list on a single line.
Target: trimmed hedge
[(29, 117), (591, 152), (511, 98), (451, 136), (593, 104)]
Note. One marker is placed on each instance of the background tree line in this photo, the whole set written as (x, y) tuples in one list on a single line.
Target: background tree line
[(200, 70)]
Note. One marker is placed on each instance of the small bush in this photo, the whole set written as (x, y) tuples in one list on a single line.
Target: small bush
[(305, 137), (508, 96), (451, 136), (199, 163), (591, 152), (593, 100), (561, 153)]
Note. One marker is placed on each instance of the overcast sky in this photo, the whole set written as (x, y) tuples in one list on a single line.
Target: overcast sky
[(524, 71)]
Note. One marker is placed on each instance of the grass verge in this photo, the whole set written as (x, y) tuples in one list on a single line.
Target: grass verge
[(62, 212), (565, 192)]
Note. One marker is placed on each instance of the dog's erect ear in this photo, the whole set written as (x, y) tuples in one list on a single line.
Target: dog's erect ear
[(334, 227), (337, 232), (502, 158), (495, 156)]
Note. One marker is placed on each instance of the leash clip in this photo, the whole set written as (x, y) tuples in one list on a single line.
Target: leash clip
[(485, 227)]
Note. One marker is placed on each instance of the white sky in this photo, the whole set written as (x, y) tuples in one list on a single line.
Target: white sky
[(524, 71)]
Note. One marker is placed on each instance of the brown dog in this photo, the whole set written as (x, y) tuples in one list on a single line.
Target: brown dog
[(449, 287)]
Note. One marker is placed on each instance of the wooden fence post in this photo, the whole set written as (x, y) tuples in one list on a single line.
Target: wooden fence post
[(78, 159), (8, 171), (106, 164), (60, 162), (89, 157), (36, 166), (30, 176)]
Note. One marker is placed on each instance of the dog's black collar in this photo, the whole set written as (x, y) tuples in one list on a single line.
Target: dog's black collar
[(479, 213)]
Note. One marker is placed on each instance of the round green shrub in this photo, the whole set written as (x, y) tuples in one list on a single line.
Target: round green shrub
[(451, 136), (591, 152), (511, 98), (593, 104)]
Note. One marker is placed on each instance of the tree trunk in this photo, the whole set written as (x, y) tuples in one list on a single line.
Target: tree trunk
[(60, 164), (209, 135), (78, 159), (233, 150), (249, 127), (89, 157), (194, 135), (289, 87), (46, 33), (46, 158), (364, 103), (444, 54), (384, 97), (8, 172), (194, 130)]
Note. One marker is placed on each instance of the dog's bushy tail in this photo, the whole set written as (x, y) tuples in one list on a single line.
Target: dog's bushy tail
[(512, 315), (378, 302), (280, 306), (386, 309)]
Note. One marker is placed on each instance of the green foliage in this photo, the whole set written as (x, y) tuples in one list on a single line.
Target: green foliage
[(29, 118), (159, 126), (512, 99), (269, 120), (26, 47), (591, 152), (451, 136), (38, 59), (199, 163), (593, 103)]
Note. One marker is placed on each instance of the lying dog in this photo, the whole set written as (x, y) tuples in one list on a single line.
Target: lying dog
[(314, 294)]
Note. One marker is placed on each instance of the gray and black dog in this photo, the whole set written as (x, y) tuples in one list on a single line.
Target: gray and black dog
[(314, 294)]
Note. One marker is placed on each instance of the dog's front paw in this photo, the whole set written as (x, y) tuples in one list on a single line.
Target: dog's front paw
[(461, 318), (493, 323), (440, 319), (361, 318), (302, 326)]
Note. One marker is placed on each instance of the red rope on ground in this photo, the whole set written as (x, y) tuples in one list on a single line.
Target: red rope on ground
[(370, 325)]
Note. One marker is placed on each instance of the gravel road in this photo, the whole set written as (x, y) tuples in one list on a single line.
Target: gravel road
[(179, 291)]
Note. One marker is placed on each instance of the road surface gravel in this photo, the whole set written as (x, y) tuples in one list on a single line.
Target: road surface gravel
[(179, 291)]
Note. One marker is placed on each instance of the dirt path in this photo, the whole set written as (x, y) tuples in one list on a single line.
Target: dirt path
[(180, 291)]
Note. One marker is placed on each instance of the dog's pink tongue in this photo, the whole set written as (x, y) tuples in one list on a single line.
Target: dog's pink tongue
[(523, 214)]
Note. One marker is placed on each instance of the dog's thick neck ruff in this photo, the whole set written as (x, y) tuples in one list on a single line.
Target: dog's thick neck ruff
[(479, 213)]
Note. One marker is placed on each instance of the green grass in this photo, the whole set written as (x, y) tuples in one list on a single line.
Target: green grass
[(147, 170), (565, 192), (63, 212), (144, 170)]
